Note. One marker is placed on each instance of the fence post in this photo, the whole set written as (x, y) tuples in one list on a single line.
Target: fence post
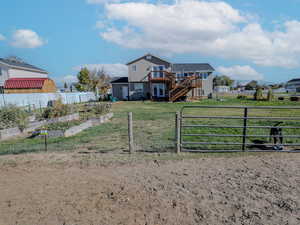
[(130, 133), (178, 136), (245, 128)]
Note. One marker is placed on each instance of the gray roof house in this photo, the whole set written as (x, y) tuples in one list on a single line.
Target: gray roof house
[(14, 68), (150, 77)]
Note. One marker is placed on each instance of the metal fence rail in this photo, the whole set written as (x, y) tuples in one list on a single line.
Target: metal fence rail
[(197, 133)]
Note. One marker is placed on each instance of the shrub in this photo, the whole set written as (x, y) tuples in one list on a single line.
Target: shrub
[(295, 99), (99, 109), (58, 109), (258, 95), (12, 116), (270, 96), (281, 98), (242, 97)]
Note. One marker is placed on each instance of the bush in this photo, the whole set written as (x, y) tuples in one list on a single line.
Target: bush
[(270, 96), (295, 99), (242, 97), (12, 116), (258, 95), (58, 109), (281, 98), (99, 109)]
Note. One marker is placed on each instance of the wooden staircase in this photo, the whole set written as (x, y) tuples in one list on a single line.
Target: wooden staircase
[(179, 89), (184, 87)]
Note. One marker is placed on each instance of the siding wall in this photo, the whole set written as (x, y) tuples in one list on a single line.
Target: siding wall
[(16, 73), (208, 85), (143, 67), (4, 75)]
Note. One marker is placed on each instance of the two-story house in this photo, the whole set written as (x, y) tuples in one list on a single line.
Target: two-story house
[(17, 76), (150, 77)]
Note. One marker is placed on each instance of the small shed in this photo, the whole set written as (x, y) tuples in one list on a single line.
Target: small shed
[(29, 85)]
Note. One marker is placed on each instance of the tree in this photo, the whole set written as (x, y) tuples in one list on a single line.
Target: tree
[(84, 81), (223, 81), (270, 96), (96, 80), (252, 85), (65, 85), (100, 81), (258, 95)]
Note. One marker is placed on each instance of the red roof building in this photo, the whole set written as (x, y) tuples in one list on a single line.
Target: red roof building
[(29, 85)]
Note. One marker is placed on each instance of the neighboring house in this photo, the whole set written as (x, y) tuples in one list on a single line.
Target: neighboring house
[(222, 89), (17, 76), (293, 85), (150, 77)]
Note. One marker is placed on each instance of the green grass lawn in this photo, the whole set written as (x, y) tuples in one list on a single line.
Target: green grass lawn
[(154, 127)]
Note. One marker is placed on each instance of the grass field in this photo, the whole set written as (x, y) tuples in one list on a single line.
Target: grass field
[(154, 128)]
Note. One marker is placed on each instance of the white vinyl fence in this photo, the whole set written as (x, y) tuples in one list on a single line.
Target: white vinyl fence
[(40, 100)]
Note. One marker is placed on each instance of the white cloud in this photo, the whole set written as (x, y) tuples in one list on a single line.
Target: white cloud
[(101, 1), (240, 72), (2, 37), (114, 70), (70, 79), (27, 39), (100, 24), (206, 27)]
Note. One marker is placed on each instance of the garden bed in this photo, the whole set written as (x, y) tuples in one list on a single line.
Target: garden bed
[(9, 133), (71, 128)]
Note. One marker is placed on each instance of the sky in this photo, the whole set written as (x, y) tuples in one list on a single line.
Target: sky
[(244, 39)]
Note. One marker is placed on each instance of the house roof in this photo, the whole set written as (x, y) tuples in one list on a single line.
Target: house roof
[(120, 80), (18, 63), (153, 59), (24, 83), (294, 80), (189, 67)]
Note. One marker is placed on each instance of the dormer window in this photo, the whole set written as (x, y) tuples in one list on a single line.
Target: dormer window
[(134, 68)]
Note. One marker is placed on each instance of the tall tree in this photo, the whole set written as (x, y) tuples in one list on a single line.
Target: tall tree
[(100, 81), (65, 85), (96, 81), (223, 81), (84, 82)]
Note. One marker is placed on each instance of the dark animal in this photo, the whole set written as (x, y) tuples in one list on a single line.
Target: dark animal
[(277, 136)]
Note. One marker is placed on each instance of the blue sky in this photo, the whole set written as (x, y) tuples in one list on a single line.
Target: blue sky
[(244, 39)]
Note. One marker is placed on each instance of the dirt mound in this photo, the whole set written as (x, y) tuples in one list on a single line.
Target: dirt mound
[(245, 190)]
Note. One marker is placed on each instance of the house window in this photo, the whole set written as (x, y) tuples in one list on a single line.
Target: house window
[(134, 68), (149, 57), (138, 87), (158, 71), (204, 76)]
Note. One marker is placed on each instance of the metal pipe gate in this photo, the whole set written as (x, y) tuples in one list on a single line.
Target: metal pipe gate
[(191, 138)]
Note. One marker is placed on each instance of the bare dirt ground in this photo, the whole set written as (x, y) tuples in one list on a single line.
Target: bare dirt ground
[(66, 189)]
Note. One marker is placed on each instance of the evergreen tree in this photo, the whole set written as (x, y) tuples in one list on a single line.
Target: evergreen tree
[(84, 81)]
